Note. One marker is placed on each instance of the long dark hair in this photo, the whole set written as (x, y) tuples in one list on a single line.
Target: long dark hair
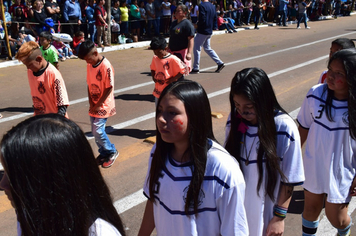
[(348, 58), (56, 185), (256, 86), (198, 111)]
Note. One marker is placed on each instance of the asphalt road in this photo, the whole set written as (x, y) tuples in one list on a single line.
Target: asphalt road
[(292, 58)]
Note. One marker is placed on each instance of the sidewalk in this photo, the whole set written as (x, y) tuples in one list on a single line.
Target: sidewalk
[(147, 43)]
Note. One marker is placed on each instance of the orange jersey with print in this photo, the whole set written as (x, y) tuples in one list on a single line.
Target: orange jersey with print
[(100, 77), (166, 68), (48, 90)]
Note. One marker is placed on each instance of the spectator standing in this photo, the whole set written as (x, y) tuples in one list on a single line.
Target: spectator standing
[(181, 36), (249, 9), (135, 18), (166, 12), (257, 12), (194, 11), (115, 15), (283, 11), (151, 16), (40, 17), (207, 16), (158, 14), (48, 91), (53, 11), (73, 15), (90, 13), (124, 11), (100, 23), (17, 4), (239, 12), (143, 21), (100, 80)]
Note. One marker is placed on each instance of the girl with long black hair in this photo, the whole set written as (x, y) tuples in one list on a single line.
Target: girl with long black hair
[(193, 186), (266, 142)]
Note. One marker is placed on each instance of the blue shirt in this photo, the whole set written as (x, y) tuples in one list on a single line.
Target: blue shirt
[(72, 9), (283, 5), (89, 11), (206, 18)]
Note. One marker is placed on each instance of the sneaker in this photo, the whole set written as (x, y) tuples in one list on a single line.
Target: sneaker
[(100, 159), (194, 71), (67, 57), (298, 27), (73, 57), (220, 67), (107, 45), (256, 28), (235, 31), (307, 27), (230, 32), (110, 161), (63, 59)]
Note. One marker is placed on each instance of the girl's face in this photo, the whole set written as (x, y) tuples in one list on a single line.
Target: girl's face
[(172, 120), (142, 4), (336, 77), (334, 48), (44, 42), (245, 108)]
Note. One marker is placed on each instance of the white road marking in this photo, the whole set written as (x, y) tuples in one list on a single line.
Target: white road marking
[(205, 69), (130, 201)]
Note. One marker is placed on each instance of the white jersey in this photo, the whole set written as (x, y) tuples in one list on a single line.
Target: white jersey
[(220, 211), (329, 159), (259, 207), (100, 227)]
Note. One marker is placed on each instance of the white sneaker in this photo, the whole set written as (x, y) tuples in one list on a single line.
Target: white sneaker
[(73, 57), (63, 59), (298, 27), (67, 57), (307, 27)]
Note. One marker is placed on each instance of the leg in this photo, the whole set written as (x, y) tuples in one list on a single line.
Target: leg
[(210, 51), (99, 29), (338, 217), (106, 148), (105, 37), (305, 20), (199, 39), (313, 204)]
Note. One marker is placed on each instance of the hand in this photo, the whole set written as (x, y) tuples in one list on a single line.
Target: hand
[(353, 188), (275, 227), (79, 22), (188, 56)]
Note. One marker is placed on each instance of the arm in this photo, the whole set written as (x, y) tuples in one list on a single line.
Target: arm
[(174, 78), (303, 134), (102, 99), (148, 223), (50, 10), (190, 47), (153, 73), (56, 65), (276, 225)]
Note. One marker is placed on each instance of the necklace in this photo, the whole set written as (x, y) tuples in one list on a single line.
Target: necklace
[(249, 152)]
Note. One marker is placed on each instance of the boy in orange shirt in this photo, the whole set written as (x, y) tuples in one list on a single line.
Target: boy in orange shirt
[(165, 67), (49, 93), (100, 80)]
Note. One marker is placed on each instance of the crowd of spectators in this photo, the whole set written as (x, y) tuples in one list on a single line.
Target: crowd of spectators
[(142, 19)]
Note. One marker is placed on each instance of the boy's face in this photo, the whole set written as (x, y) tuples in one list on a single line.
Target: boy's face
[(160, 53), (34, 65), (92, 58), (44, 42)]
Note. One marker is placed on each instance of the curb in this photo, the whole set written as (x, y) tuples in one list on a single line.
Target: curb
[(147, 43)]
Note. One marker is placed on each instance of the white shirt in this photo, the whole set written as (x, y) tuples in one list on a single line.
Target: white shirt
[(221, 209), (329, 159)]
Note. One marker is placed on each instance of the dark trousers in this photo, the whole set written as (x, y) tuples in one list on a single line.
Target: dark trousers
[(73, 27)]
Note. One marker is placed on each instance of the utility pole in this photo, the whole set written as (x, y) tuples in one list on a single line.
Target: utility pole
[(5, 29), (108, 7)]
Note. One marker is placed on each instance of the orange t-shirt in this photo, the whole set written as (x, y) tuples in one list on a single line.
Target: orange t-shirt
[(48, 90), (99, 78), (165, 68)]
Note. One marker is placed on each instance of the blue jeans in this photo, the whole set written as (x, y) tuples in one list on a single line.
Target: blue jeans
[(92, 31), (201, 40), (283, 18), (158, 25), (248, 17), (302, 16), (149, 26), (101, 139)]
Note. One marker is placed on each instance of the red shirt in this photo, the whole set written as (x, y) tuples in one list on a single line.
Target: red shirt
[(99, 13)]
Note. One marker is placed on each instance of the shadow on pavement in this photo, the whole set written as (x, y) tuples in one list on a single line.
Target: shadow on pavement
[(17, 109), (136, 97), (134, 133)]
